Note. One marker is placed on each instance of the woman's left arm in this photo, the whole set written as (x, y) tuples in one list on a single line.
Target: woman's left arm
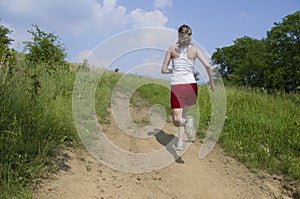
[(207, 66)]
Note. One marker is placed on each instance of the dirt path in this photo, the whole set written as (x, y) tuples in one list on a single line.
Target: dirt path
[(216, 176)]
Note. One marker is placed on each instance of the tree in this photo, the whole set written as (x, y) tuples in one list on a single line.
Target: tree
[(6, 54), (284, 45), (45, 48), (272, 62), (243, 62), (221, 58), (5, 41), (45, 54)]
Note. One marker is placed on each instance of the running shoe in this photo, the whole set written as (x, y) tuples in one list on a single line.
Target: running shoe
[(179, 146), (189, 127)]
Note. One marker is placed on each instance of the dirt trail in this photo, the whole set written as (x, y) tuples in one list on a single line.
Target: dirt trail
[(216, 176)]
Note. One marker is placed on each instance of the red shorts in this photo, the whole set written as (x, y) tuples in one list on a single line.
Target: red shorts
[(183, 95)]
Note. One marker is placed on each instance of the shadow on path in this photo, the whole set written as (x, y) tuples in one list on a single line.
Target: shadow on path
[(168, 141)]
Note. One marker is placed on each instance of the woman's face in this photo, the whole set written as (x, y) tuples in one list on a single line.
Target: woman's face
[(184, 38)]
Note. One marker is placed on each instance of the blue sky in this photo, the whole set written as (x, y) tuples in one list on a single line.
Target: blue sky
[(83, 24)]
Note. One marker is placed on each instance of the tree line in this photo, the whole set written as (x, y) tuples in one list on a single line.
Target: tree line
[(271, 63)]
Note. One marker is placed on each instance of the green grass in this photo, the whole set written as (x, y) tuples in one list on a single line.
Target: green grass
[(32, 129), (104, 91), (264, 131), (261, 130)]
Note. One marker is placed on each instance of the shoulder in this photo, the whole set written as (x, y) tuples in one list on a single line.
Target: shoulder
[(173, 47), (193, 48), (193, 51)]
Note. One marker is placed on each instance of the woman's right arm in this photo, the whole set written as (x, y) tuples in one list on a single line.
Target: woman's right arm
[(166, 62)]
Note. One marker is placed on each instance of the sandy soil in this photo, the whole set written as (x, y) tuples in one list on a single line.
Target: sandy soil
[(217, 176)]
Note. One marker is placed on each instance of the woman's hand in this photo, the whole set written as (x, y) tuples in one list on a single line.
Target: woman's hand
[(165, 70), (212, 85)]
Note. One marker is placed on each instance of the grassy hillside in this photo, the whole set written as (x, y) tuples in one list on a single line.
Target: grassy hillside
[(264, 131), (261, 130)]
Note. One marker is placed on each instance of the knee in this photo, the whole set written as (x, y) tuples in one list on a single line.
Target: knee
[(177, 122)]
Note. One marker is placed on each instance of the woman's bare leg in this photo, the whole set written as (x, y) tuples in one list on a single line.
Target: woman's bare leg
[(179, 119)]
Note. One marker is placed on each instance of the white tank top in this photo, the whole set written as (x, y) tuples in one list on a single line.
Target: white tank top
[(182, 69)]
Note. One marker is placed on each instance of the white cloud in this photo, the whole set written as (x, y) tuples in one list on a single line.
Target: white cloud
[(80, 24), (158, 4), (154, 18), (109, 14), (73, 15), (77, 16)]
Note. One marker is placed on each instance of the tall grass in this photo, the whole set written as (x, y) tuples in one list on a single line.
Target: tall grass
[(32, 127), (104, 90), (263, 130)]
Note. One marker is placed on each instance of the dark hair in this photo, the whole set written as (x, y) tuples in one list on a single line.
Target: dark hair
[(185, 29)]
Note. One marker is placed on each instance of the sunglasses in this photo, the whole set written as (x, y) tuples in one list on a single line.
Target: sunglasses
[(185, 33)]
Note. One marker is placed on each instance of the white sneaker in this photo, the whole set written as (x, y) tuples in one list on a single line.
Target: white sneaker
[(189, 127), (179, 146)]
